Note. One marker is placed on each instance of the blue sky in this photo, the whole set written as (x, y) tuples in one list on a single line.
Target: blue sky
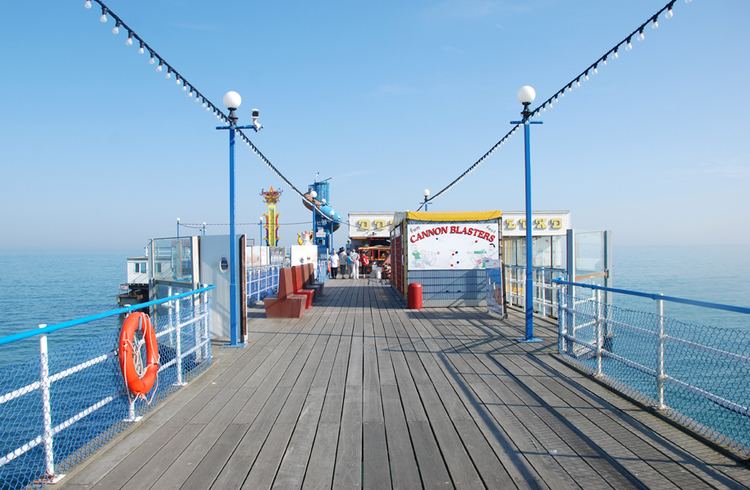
[(98, 151)]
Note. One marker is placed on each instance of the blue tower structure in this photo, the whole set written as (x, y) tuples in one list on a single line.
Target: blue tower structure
[(325, 220)]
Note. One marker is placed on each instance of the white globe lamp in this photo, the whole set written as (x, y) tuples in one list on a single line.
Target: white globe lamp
[(232, 100), (526, 94)]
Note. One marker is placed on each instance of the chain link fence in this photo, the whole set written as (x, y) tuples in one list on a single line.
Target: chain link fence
[(63, 396), (695, 374)]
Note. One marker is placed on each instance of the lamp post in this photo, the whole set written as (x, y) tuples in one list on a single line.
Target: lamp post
[(178, 227), (260, 230), (203, 229), (426, 198), (526, 96), (232, 101)]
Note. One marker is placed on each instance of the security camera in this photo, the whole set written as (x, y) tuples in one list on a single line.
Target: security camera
[(255, 115)]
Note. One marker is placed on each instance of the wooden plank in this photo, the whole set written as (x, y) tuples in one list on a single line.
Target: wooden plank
[(320, 467), (432, 466), (536, 467), (264, 411), (171, 414), (221, 453), (489, 464), (263, 470), (610, 445), (293, 464), (404, 470), (195, 453)]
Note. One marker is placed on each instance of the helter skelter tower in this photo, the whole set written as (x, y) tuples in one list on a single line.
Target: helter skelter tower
[(271, 198)]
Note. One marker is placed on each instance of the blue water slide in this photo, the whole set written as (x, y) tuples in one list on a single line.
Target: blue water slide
[(323, 209)]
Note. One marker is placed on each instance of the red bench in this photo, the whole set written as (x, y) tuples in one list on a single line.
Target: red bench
[(299, 284), (286, 304)]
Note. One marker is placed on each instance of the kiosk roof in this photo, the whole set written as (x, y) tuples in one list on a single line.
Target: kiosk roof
[(449, 215)]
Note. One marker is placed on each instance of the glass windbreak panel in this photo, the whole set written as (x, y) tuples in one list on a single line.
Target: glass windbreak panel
[(542, 251), (589, 255), (559, 252), (509, 251), (521, 251), (173, 259), (277, 255)]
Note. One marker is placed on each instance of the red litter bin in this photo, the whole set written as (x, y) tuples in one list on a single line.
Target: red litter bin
[(414, 296)]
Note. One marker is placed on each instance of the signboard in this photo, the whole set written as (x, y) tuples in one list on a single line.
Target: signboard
[(370, 225), (544, 223), (446, 246)]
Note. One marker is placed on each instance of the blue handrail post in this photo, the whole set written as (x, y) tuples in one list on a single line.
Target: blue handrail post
[(526, 96)]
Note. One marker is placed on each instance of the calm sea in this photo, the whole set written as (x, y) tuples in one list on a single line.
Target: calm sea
[(52, 288)]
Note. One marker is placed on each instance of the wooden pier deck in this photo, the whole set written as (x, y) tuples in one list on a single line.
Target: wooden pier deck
[(362, 393)]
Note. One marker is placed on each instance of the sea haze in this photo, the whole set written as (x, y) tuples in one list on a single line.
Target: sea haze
[(45, 288)]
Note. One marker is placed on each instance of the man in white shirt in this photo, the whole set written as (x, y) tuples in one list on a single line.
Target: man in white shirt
[(355, 264), (334, 265)]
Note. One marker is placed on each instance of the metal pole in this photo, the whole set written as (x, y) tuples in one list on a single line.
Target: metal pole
[(207, 324), (49, 457), (660, 376), (599, 339), (560, 320), (178, 342), (529, 244), (426, 204), (233, 331), (260, 232), (197, 326), (170, 317), (178, 227)]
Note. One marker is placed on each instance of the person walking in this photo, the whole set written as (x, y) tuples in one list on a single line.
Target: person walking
[(334, 265), (354, 256), (342, 262), (365, 262)]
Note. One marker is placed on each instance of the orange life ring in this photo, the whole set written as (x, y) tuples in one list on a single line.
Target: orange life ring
[(138, 385)]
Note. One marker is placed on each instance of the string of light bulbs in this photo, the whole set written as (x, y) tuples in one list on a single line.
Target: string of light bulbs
[(639, 33), (163, 66)]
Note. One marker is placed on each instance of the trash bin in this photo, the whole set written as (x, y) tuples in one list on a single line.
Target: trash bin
[(414, 296)]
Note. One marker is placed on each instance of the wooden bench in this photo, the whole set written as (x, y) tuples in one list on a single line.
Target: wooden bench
[(299, 285), (286, 304)]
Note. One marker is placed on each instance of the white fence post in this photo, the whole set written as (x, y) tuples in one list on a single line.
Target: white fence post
[(178, 342), (544, 292), (49, 455), (660, 375), (169, 317), (560, 320), (197, 327), (599, 339), (206, 324)]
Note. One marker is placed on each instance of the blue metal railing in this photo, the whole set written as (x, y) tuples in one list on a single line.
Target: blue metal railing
[(696, 374), (61, 404)]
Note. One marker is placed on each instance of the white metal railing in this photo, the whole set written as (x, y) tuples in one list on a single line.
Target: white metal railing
[(182, 310), (262, 281), (545, 298), (694, 373)]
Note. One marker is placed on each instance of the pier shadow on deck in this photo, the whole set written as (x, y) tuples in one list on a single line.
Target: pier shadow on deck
[(360, 392)]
